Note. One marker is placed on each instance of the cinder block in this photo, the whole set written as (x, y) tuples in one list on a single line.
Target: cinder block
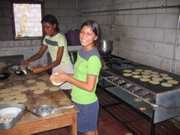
[(137, 33), (154, 34), (147, 20), (170, 36), (164, 50), (119, 20), (166, 64), (166, 20), (131, 20)]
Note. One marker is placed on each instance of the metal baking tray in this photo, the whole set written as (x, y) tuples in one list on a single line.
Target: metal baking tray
[(14, 112)]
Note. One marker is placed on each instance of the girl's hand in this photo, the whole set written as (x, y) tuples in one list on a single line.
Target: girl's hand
[(37, 70), (58, 77), (25, 63)]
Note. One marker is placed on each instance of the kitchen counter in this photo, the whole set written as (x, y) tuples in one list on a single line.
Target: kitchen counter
[(29, 123)]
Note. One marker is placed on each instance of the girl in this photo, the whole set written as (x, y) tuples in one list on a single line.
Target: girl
[(85, 78), (57, 45)]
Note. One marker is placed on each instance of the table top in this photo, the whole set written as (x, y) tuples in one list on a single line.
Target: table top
[(28, 86)]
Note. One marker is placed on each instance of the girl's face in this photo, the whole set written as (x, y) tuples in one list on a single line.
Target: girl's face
[(87, 36), (49, 29)]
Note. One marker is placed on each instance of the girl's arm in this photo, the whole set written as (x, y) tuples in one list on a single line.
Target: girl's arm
[(63, 77), (53, 64), (35, 56)]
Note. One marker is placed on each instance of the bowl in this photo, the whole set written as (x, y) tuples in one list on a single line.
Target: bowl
[(10, 113), (105, 47)]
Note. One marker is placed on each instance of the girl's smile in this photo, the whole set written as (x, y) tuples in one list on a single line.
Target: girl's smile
[(87, 36)]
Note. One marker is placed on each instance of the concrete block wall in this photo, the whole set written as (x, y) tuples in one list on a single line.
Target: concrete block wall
[(146, 36), (64, 10)]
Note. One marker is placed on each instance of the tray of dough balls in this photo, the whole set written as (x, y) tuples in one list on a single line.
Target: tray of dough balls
[(10, 114)]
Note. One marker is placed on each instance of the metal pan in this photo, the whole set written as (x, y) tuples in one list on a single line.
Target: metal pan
[(19, 72), (44, 110), (4, 76), (13, 112)]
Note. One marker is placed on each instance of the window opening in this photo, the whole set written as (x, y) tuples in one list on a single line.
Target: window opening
[(27, 19)]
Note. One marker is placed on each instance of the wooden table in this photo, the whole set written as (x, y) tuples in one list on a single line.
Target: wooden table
[(29, 123)]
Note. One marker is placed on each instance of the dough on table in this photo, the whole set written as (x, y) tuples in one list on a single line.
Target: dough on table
[(166, 84), (38, 91), (145, 79), (135, 73), (154, 82), (157, 79), (136, 76), (43, 78), (15, 92), (147, 70), (21, 100), (20, 95), (145, 73), (54, 89), (4, 95), (31, 81), (127, 74), (167, 78), (17, 87), (44, 88), (9, 98), (163, 74), (139, 70), (23, 89), (173, 81), (146, 76), (40, 83), (5, 90), (33, 88), (154, 73), (127, 70)]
